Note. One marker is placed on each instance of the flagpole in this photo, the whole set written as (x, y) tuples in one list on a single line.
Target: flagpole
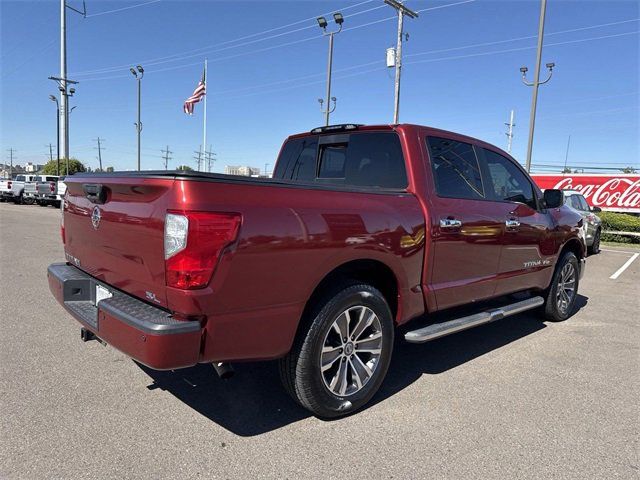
[(204, 128)]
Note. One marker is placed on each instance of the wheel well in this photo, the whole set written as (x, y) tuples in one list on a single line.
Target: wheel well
[(574, 246), (371, 272)]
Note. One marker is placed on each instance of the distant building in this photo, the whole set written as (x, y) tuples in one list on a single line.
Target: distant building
[(32, 167), (7, 172), (243, 170)]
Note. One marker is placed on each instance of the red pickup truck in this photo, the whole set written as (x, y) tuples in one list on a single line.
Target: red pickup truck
[(362, 229)]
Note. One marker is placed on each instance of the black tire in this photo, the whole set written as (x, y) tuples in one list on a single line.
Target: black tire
[(300, 370), (41, 203), (594, 249), (56, 204), (554, 309), (19, 200), (28, 200)]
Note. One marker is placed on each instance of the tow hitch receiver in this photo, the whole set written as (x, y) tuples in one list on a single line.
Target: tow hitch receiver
[(88, 335)]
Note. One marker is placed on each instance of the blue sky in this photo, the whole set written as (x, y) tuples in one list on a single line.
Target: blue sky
[(460, 73)]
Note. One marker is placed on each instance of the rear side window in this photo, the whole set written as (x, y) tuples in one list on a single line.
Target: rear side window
[(455, 168), (361, 159), (376, 160), (508, 182), (51, 179)]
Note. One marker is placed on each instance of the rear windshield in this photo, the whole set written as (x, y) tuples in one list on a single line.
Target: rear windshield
[(367, 159)]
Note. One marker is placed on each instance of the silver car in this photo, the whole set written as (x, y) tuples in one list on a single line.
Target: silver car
[(592, 223)]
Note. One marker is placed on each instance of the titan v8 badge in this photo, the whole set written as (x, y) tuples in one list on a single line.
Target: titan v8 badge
[(95, 217)]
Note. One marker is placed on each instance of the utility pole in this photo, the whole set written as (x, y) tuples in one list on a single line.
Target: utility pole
[(509, 133), (209, 158), (138, 124), (11, 152), (566, 155), (99, 148), (266, 169), (322, 23), (63, 81), (50, 152), (166, 157), (198, 157), (536, 81), (402, 11)]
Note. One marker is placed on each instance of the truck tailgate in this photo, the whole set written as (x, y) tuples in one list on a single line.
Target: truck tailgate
[(118, 237)]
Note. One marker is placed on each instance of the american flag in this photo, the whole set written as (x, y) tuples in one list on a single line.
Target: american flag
[(196, 96)]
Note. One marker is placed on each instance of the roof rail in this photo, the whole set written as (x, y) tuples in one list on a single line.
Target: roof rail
[(337, 128)]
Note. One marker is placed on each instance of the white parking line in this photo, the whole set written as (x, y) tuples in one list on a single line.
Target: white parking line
[(617, 251), (625, 266)]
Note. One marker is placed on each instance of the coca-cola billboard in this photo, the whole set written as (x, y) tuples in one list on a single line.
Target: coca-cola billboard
[(616, 193)]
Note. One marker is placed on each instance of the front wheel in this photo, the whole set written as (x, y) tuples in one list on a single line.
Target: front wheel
[(338, 363), (560, 297)]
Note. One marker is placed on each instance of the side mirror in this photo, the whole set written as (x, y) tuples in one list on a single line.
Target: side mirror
[(596, 209), (553, 198)]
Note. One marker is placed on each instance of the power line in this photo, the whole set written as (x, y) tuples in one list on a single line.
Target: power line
[(200, 50), (123, 8)]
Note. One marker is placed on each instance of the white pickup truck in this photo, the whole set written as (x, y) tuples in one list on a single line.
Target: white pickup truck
[(51, 192), (14, 189), (41, 183)]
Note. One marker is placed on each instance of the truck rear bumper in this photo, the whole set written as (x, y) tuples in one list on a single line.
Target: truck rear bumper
[(145, 333)]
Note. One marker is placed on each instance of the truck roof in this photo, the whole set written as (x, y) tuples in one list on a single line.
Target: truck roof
[(350, 127)]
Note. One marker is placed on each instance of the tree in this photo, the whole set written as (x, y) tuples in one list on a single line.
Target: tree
[(75, 166), (185, 168), (109, 169), (628, 170)]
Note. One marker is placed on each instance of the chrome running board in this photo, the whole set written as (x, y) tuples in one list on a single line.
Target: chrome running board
[(437, 330)]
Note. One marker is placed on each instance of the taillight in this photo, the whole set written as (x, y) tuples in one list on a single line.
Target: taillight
[(9, 185), (62, 221), (52, 187), (193, 243)]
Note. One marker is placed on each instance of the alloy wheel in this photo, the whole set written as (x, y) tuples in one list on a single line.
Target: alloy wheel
[(351, 351), (566, 288)]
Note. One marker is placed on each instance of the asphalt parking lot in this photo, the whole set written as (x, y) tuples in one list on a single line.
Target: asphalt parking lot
[(518, 398)]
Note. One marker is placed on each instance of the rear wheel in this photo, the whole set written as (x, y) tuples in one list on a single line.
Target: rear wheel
[(560, 297), (595, 247), (338, 363), (28, 200)]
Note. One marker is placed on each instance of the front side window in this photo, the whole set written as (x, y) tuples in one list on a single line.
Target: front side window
[(507, 181), (584, 206), (455, 168)]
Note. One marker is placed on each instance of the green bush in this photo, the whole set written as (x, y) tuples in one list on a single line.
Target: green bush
[(619, 222)]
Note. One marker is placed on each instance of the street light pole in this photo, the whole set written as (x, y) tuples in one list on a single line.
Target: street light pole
[(54, 99), (402, 11), (322, 23), (138, 124), (536, 82)]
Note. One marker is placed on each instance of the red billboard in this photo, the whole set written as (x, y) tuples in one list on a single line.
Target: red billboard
[(616, 193)]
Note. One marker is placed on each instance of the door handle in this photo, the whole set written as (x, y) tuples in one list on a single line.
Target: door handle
[(450, 223), (512, 223)]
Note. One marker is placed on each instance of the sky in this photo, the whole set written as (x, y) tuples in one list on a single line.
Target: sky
[(267, 67)]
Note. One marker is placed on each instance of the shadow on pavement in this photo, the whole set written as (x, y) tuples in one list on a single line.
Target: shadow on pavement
[(254, 402)]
